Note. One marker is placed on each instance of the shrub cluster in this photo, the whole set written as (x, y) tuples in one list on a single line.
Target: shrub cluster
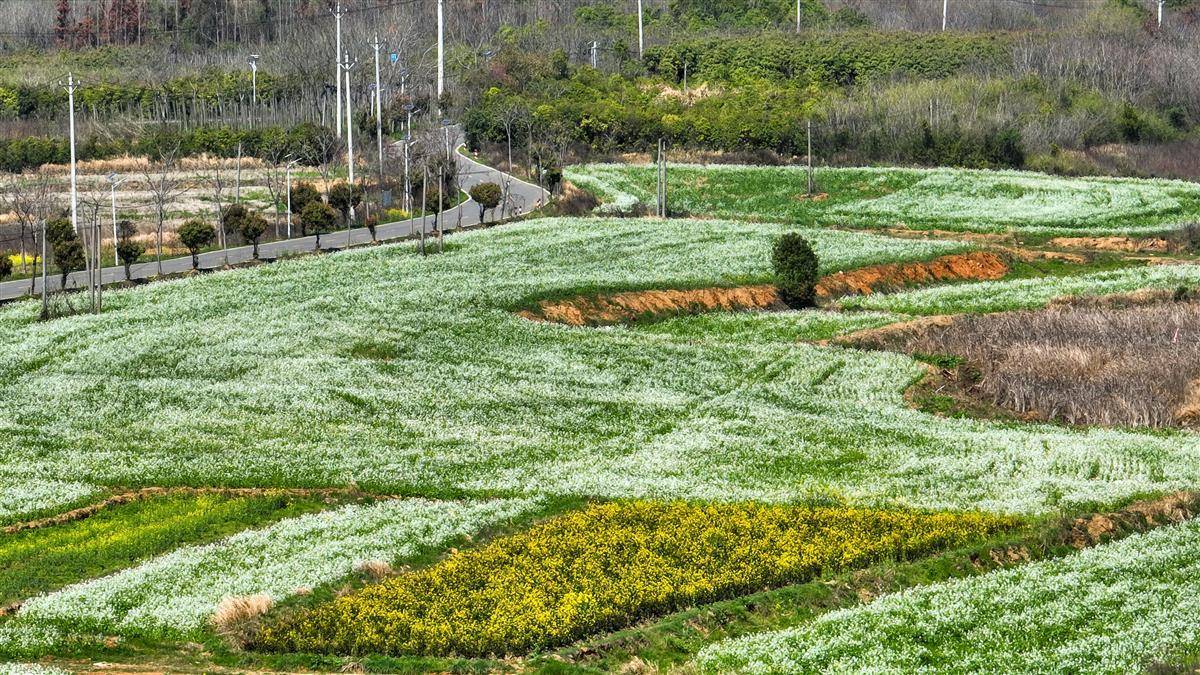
[(796, 270), (834, 58), (307, 141), (605, 567)]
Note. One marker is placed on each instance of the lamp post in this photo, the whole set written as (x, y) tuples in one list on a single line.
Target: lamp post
[(253, 61), (288, 172), (114, 182)]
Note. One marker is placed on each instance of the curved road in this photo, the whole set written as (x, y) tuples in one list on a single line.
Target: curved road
[(522, 198)]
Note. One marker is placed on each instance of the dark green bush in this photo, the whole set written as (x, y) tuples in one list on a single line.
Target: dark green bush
[(195, 234), (318, 218), (796, 270), (302, 195)]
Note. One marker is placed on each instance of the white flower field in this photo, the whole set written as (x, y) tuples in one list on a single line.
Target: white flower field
[(175, 594), (412, 378)]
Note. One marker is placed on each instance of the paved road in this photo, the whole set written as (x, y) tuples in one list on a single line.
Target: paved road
[(522, 198)]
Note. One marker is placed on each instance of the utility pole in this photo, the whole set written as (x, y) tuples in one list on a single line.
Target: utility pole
[(441, 49), (71, 84), (641, 33), (114, 182), (348, 66), (661, 170), (337, 65), (1160, 9), (808, 134), (288, 173), (595, 46), (376, 45), (424, 201), (945, 10), (45, 296), (798, 16)]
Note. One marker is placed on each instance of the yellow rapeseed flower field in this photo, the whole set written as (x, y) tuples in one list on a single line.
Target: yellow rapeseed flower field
[(604, 567)]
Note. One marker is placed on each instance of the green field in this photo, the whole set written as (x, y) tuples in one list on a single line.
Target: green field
[(410, 380), (948, 199)]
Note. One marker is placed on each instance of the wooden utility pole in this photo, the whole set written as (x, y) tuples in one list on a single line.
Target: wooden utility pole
[(661, 170), (45, 296), (808, 134)]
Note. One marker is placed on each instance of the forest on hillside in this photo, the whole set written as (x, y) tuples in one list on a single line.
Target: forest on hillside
[(1078, 86)]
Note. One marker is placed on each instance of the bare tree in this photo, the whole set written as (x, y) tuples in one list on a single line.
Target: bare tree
[(164, 185), (29, 199), (217, 184)]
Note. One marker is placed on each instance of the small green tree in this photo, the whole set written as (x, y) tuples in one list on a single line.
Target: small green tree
[(318, 218), (796, 270), (65, 246), (68, 255), (252, 227), (195, 234), (343, 197), (59, 230), (6, 264), (128, 250), (487, 196), (303, 194), (232, 217)]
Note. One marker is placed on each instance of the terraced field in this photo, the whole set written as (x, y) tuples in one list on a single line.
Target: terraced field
[(383, 452), (946, 199)]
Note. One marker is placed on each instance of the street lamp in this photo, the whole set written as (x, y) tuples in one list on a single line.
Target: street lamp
[(253, 61), (292, 163), (114, 182)]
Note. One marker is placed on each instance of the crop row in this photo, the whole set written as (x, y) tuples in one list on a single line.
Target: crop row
[(37, 560), (1113, 608), (606, 567), (932, 198), (174, 595), (1010, 294), (414, 375)]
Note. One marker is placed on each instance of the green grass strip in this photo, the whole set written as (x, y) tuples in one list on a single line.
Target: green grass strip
[(40, 560)]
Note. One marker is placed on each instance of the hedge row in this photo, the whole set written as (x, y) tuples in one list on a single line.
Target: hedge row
[(841, 58), (307, 141)]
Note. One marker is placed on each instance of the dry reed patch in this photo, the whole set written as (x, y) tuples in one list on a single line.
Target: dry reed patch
[(132, 164), (237, 617), (1135, 365), (1122, 244)]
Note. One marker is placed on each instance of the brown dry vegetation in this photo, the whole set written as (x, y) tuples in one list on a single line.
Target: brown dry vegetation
[(237, 617), (1114, 362), (631, 306), (1124, 244), (976, 266)]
